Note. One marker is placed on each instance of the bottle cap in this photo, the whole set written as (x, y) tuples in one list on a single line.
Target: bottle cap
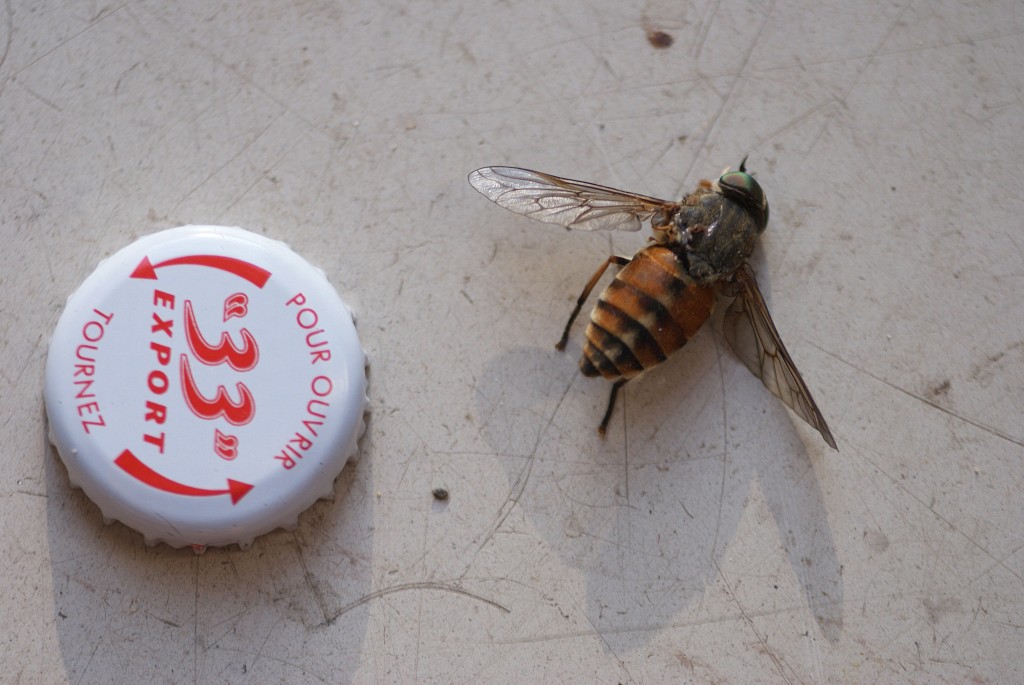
[(205, 385)]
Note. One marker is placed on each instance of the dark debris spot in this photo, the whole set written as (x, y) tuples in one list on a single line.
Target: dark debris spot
[(659, 39), (940, 389)]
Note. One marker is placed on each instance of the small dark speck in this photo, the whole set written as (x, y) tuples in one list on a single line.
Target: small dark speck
[(940, 389), (440, 494), (892, 188), (659, 39)]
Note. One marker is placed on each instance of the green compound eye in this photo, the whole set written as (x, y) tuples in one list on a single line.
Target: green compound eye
[(742, 186)]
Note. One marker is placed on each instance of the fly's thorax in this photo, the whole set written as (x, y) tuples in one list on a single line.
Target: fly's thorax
[(717, 235)]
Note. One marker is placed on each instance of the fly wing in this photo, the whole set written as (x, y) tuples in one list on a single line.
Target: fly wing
[(574, 204), (750, 331)]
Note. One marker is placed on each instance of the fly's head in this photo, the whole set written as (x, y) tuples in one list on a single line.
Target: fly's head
[(740, 187)]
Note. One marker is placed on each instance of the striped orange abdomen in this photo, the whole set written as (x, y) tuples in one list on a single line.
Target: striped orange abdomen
[(646, 313)]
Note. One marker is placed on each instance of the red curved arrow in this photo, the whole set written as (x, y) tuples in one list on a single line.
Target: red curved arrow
[(250, 272), (135, 468)]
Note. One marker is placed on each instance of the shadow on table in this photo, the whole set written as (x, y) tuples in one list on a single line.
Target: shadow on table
[(650, 513), (126, 612)]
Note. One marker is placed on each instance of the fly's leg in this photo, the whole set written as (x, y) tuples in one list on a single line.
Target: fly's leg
[(614, 259), (611, 405)]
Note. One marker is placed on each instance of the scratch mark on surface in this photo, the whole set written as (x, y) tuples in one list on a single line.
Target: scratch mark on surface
[(37, 348), (424, 585), (245, 148), (658, 627), (10, 27), (795, 121), (930, 507), (521, 479), (49, 103), (732, 89), (1000, 562), (608, 646), (750, 623), (705, 28), (969, 41), (872, 56), (623, 522), (725, 450), (656, 160), (101, 16), (583, 97), (195, 620), (215, 642), (625, 448), (29, 493), (258, 179), (278, 660), (89, 662), (310, 579), (1020, 252), (166, 621), (419, 636), (259, 652), (977, 424), (245, 78)]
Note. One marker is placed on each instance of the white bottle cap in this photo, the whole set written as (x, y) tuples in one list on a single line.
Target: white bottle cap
[(205, 385)]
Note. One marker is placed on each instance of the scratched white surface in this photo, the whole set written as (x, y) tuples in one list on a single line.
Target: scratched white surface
[(711, 538)]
